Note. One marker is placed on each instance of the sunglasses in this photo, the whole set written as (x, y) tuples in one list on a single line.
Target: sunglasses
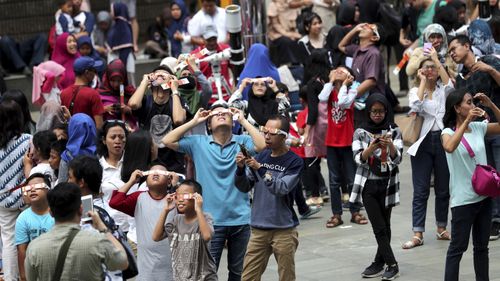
[(220, 113), (272, 131), (33, 187), (184, 196), (156, 172)]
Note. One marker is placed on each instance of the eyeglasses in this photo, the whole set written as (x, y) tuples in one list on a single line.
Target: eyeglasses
[(374, 29), (377, 112), (34, 187), (272, 131), (156, 172), (184, 196), (431, 67)]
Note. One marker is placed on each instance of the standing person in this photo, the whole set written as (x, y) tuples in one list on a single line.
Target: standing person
[(378, 147), (153, 258), (209, 14), (80, 98), (87, 252), (180, 40), (272, 174), (213, 156), (65, 53), (100, 34), (469, 211), (188, 220), (132, 12), (194, 98), (13, 146), (40, 151), (46, 82), (340, 94), (428, 100), (35, 220)]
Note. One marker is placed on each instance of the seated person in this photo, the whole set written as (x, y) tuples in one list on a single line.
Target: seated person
[(64, 19), (23, 56), (86, 49), (158, 36), (100, 34)]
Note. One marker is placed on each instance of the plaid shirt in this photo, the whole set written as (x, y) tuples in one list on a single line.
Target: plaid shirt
[(361, 141)]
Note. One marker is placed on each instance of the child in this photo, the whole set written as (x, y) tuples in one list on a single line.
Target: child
[(153, 258), (35, 220), (56, 148), (378, 146), (191, 258), (64, 20), (340, 94), (41, 151), (86, 49)]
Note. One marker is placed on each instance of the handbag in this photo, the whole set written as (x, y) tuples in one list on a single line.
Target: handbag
[(61, 258), (410, 126), (485, 179)]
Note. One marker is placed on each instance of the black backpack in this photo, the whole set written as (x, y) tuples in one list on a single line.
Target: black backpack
[(390, 20)]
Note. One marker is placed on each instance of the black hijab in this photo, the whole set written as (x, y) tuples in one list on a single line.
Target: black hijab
[(262, 108), (386, 124)]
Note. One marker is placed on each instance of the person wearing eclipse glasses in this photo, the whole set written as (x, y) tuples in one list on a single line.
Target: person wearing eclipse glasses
[(214, 160)]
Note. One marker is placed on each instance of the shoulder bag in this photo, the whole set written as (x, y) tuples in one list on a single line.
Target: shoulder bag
[(410, 126), (61, 258)]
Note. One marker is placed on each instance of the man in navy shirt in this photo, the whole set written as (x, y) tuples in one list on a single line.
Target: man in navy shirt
[(273, 174)]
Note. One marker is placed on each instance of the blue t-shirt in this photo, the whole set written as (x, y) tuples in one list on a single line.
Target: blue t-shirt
[(30, 225), (215, 167), (462, 166)]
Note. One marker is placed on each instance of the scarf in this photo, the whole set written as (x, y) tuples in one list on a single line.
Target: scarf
[(98, 34), (120, 34), (386, 124), (481, 37), (258, 64), (62, 57), (81, 137), (50, 114), (190, 95), (177, 25), (116, 68), (261, 108), (44, 76), (437, 29)]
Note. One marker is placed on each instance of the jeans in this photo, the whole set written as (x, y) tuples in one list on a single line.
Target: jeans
[(237, 239), (493, 153), (430, 156), (380, 218), (338, 158), (281, 242), (9, 251), (478, 217), (15, 57)]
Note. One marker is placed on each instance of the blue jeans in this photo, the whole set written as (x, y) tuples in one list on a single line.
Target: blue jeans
[(430, 156), (338, 158), (15, 56), (477, 217), (237, 239), (493, 153)]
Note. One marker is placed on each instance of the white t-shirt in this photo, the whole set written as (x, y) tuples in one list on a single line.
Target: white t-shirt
[(44, 168), (197, 24)]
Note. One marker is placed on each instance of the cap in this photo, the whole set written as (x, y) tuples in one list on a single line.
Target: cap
[(85, 63), (210, 31)]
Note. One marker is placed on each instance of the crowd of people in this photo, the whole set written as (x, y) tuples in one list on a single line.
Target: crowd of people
[(154, 179)]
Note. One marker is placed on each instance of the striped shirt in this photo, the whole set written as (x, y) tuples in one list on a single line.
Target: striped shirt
[(361, 141), (11, 171)]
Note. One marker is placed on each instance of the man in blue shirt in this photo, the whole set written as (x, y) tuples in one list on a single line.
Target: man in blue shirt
[(273, 174), (214, 157), (35, 220)]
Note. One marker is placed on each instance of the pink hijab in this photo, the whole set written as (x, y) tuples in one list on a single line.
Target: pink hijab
[(44, 76), (62, 57)]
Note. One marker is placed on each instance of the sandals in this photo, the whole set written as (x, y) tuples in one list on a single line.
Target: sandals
[(358, 218), (334, 221), (445, 235), (414, 242)]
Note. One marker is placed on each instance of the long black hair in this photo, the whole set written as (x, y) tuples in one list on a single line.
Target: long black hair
[(11, 124), (318, 65), (454, 98), (137, 153), (102, 149), (20, 98)]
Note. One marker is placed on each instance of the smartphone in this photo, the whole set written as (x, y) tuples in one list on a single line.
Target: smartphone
[(88, 205), (476, 101), (427, 47), (244, 151)]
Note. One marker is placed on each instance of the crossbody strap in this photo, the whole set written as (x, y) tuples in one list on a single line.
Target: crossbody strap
[(72, 103), (469, 149), (61, 258)]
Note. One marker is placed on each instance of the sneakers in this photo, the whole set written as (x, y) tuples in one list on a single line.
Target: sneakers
[(391, 272), (374, 270), (312, 210), (494, 231)]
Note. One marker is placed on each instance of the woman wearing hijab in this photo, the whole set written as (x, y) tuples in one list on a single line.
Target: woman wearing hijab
[(46, 82), (113, 78), (345, 22), (51, 114), (177, 30), (82, 136), (482, 39), (100, 33), (65, 54), (378, 147), (435, 34), (258, 64), (189, 92), (120, 39)]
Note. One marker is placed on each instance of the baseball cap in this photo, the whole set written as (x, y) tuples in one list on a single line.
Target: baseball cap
[(85, 63), (210, 31)]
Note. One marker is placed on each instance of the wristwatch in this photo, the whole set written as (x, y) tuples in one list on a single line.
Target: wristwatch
[(175, 93)]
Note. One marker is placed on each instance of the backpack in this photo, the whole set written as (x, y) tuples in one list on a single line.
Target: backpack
[(390, 20)]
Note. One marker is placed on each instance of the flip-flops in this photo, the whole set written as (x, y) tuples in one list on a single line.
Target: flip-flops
[(414, 242)]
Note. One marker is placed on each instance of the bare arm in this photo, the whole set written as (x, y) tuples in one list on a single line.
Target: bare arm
[(366, 86), (171, 140), (98, 121), (206, 231), (21, 256), (257, 137), (349, 36), (135, 101)]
